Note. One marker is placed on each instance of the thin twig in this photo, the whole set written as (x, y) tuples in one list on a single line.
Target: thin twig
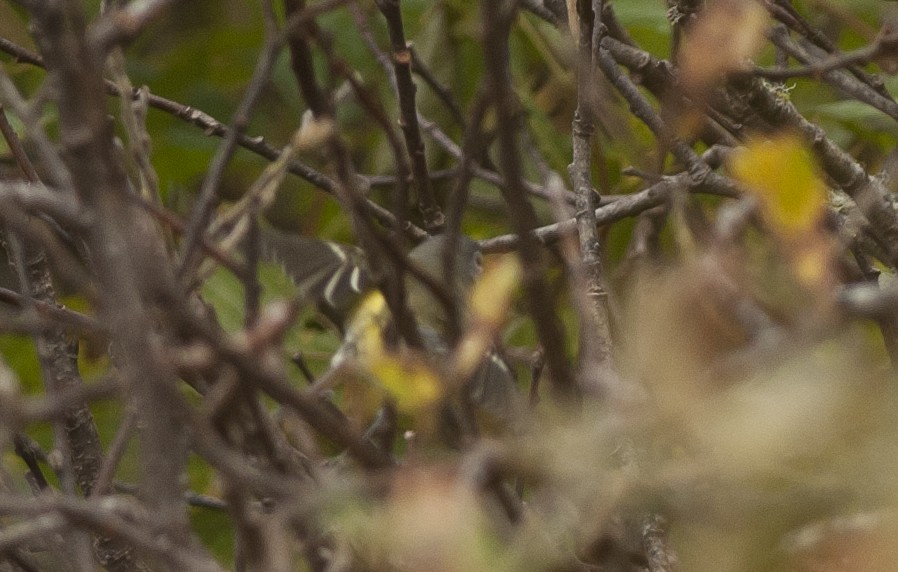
[(402, 67), (497, 23), (208, 194)]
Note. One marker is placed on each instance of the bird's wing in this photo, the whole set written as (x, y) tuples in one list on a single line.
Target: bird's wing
[(330, 275)]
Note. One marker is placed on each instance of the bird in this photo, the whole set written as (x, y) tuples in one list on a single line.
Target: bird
[(338, 279)]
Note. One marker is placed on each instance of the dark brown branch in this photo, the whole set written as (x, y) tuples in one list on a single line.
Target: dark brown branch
[(868, 192), (208, 193), (256, 144), (838, 78), (626, 206), (472, 146), (273, 382), (127, 254), (301, 62), (783, 11), (117, 516), (55, 315), (642, 109), (370, 101), (402, 67), (59, 404), (379, 249), (443, 92), (58, 355), (497, 20), (860, 56)]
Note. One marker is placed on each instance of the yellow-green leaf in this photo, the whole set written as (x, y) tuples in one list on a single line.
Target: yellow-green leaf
[(409, 381), (782, 174)]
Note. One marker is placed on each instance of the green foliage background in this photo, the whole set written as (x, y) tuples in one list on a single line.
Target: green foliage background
[(203, 54)]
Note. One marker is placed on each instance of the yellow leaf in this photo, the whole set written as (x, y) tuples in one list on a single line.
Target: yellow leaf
[(490, 301), (492, 293), (410, 382), (782, 174)]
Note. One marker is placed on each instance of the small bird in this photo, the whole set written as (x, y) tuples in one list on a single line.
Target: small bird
[(338, 280)]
